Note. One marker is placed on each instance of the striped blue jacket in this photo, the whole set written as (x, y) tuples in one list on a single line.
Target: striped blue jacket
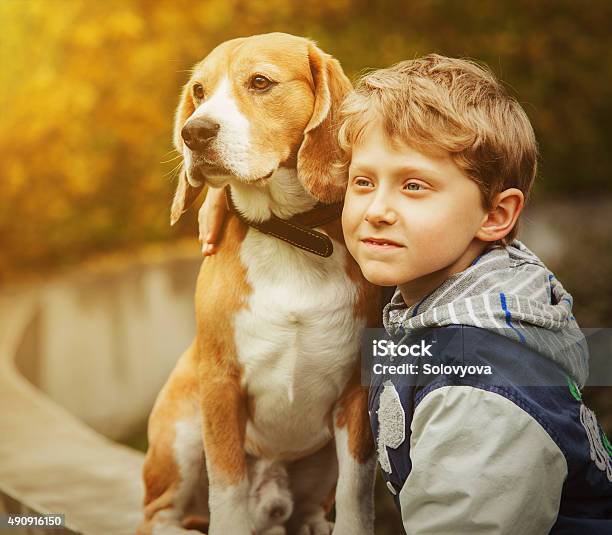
[(514, 451)]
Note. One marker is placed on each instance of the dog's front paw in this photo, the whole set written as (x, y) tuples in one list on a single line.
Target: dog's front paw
[(351, 528), (276, 530), (272, 512), (171, 529), (316, 526), (270, 502)]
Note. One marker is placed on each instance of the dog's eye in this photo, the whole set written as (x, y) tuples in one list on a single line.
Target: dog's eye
[(260, 83), (198, 91)]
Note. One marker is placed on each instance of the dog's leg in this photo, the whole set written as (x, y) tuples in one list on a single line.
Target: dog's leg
[(312, 480), (224, 414), (173, 468), (356, 462)]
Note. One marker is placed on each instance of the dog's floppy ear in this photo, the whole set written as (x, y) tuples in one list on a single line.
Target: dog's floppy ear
[(320, 150), (184, 196), (185, 193)]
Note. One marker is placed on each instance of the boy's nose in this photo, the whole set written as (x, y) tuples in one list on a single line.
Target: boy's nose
[(380, 213)]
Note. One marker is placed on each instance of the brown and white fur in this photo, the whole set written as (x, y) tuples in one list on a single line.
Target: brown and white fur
[(263, 423)]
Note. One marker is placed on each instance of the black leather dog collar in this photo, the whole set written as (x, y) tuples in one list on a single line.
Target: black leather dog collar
[(298, 230)]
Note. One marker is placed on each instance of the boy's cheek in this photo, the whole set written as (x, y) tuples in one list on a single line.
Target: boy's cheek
[(347, 227), (350, 240), (352, 214), (351, 244)]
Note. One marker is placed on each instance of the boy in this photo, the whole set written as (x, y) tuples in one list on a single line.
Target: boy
[(440, 162)]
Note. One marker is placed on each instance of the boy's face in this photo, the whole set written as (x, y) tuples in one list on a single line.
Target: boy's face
[(409, 218)]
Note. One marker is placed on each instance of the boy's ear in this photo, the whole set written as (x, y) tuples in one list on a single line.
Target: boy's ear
[(320, 150), (502, 216)]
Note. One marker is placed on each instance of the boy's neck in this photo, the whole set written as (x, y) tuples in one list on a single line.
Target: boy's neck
[(415, 290)]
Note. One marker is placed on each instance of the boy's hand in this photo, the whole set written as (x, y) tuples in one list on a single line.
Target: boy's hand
[(210, 219)]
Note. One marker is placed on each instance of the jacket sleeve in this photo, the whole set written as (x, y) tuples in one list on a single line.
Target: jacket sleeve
[(480, 464)]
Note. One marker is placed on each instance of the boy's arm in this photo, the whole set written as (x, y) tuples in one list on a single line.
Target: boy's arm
[(210, 219), (480, 464)]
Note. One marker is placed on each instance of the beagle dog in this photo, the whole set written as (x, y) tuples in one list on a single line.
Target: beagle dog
[(263, 423)]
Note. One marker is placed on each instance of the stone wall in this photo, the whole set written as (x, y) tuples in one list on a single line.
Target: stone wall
[(82, 358)]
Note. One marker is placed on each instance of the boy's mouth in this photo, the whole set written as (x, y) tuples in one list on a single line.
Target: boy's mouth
[(381, 243)]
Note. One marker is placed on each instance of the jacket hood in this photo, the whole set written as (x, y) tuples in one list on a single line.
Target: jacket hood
[(507, 290)]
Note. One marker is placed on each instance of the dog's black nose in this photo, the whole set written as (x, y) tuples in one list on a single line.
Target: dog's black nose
[(199, 132)]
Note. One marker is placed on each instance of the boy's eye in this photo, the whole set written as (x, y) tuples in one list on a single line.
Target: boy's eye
[(362, 182), (413, 186)]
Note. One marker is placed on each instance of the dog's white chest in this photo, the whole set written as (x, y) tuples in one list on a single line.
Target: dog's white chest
[(297, 340)]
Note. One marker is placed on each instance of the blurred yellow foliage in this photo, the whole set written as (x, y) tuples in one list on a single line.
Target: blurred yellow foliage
[(88, 89)]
